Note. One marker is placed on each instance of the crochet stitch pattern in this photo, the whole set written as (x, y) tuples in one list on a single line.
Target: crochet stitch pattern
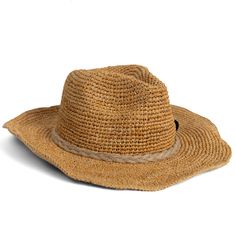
[(115, 127)]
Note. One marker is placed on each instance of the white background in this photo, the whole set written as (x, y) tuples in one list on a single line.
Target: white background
[(190, 45)]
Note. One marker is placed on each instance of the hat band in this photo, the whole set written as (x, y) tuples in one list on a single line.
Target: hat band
[(113, 157)]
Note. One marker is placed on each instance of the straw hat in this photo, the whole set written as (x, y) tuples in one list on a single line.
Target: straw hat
[(116, 128)]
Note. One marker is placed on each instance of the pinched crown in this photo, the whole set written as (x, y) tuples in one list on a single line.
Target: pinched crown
[(119, 109)]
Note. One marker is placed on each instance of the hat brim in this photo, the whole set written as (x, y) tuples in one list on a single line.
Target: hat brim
[(201, 149)]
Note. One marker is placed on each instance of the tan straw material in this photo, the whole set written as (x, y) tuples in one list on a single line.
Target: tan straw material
[(115, 127)]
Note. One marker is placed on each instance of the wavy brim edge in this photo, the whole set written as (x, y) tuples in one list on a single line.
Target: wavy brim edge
[(202, 149)]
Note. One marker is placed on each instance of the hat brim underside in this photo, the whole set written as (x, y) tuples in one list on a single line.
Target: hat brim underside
[(201, 149)]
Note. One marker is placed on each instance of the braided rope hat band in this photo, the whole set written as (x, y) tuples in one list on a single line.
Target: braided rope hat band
[(123, 158), (116, 128)]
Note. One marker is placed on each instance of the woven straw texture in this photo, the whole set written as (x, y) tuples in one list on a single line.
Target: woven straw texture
[(116, 110), (115, 128)]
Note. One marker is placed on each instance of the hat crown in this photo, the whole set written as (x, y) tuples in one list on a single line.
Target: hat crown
[(120, 109)]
